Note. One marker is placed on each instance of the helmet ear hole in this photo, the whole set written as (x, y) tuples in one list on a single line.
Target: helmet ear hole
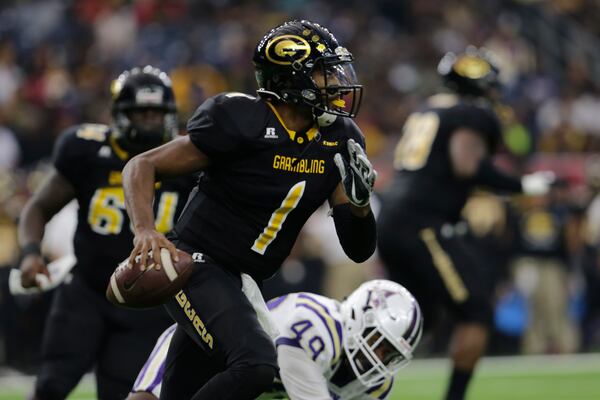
[(369, 318)]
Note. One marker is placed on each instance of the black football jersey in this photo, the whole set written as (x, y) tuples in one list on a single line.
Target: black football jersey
[(91, 160), (424, 188), (263, 183)]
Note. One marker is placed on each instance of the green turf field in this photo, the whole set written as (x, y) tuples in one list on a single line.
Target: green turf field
[(508, 378), (504, 378)]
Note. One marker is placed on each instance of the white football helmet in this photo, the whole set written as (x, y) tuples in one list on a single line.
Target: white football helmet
[(382, 326)]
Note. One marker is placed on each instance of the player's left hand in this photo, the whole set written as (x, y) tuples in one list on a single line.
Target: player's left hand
[(358, 175)]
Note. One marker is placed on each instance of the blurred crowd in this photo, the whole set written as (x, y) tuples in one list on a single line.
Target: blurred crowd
[(58, 57)]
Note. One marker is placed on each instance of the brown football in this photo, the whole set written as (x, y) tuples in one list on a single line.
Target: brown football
[(133, 287)]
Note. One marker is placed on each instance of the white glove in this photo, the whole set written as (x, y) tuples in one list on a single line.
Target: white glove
[(358, 175), (60, 271), (537, 183)]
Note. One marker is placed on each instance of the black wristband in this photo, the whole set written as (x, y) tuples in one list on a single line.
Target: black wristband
[(491, 177), (31, 248)]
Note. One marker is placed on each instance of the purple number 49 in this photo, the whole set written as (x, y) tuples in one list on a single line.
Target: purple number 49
[(315, 343)]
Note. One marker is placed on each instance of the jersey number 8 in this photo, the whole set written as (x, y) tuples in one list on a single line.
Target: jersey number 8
[(414, 147)]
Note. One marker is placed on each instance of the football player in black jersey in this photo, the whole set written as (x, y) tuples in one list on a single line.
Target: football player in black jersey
[(444, 152), (268, 163), (83, 329)]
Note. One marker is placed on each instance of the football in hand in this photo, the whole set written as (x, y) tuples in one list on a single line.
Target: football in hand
[(134, 287)]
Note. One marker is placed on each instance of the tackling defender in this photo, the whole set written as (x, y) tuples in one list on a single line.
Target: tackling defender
[(268, 163), (83, 329), (445, 151), (327, 349)]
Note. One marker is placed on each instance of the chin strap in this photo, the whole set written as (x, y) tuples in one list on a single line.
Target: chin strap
[(267, 94), (323, 118)]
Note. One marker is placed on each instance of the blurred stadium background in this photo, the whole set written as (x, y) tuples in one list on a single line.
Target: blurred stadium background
[(57, 58)]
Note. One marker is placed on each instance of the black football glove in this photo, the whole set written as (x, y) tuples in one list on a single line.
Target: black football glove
[(358, 175)]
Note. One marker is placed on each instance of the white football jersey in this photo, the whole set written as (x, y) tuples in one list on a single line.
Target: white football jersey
[(313, 324), (309, 348)]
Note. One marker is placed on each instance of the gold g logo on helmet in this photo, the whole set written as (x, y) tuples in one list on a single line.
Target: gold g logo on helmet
[(472, 66), (286, 49)]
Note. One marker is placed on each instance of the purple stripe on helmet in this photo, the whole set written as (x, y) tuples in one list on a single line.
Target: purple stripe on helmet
[(412, 333), (413, 323)]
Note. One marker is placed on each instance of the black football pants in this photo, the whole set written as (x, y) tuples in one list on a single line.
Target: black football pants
[(83, 330), (442, 271), (219, 350)]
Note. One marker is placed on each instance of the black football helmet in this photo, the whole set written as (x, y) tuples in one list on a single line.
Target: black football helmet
[(290, 56), (473, 73), (140, 89)]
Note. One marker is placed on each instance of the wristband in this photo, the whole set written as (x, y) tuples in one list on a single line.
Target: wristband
[(31, 248)]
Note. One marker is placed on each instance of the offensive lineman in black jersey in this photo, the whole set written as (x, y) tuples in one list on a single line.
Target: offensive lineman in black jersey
[(445, 151), (83, 329), (268, 163)]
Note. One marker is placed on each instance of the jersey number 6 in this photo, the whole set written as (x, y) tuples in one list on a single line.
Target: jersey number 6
[(107, 208)]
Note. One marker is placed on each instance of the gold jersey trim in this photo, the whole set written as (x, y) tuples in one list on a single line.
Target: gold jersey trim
[(119, 151), (310, 134)]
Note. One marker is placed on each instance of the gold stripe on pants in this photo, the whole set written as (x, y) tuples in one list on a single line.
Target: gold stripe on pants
[(445, 267)]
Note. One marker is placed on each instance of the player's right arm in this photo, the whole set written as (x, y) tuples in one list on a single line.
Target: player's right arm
[(212, 136), (178, 157), (470, 160), (56, 190), (54, 193)]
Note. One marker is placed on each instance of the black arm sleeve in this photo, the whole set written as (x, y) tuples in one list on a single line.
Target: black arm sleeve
[(357, 235), (490, 176)]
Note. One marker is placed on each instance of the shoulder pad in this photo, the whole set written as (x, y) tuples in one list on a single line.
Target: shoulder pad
[(233, 101), (343, 129), (239, 112), (74, 148), (80, 137)]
